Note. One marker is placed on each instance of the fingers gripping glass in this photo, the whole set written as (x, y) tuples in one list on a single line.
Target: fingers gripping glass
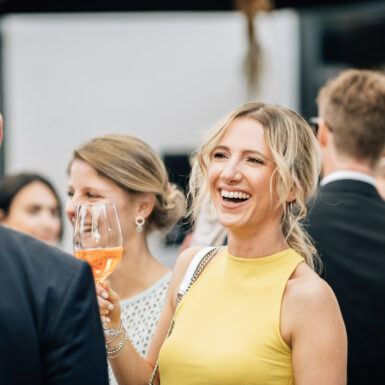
[(97, 239)]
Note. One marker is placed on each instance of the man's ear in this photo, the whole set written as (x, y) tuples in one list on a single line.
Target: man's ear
[(146, 204), (323, 133)]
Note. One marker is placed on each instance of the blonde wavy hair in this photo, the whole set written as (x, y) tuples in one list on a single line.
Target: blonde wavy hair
[(135, 167), (297, 158)]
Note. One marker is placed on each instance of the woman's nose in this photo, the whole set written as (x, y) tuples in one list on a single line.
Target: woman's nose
[(70, 208), (45, 218), (48, 220), (231, 171)]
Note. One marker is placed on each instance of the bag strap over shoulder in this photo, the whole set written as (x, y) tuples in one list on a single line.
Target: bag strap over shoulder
[(185, 284), (196, 266)]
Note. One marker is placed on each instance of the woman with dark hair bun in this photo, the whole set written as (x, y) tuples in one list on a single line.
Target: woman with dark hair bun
[(30, 204)]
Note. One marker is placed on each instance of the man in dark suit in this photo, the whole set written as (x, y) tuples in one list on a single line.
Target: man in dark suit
[(347, 218), (50, 329)]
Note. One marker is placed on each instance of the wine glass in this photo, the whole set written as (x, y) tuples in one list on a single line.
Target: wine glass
[(97, 239)]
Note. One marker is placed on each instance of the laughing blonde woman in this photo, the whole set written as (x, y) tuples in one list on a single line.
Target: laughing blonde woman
[(258, 314)]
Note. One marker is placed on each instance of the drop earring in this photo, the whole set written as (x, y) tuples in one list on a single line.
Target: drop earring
[(139, 221)]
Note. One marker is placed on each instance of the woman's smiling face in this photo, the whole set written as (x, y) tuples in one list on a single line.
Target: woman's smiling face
[(87, 186), (240, 174)]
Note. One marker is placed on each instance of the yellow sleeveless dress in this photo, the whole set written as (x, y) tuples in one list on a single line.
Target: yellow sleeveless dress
[(227, 326)]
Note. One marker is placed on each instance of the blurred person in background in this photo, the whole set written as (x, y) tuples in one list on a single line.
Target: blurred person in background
[(30, 204), (49, 320), (126, 171), (347, 218), (258, 314), (380, 177), (206, 230)]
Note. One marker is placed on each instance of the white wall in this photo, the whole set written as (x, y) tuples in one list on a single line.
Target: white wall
[(163, 77)]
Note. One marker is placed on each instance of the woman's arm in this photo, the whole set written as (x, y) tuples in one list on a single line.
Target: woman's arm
[(130, 368), (312, 323)]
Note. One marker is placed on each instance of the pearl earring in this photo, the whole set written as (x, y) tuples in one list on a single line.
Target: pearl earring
[(139, 221)]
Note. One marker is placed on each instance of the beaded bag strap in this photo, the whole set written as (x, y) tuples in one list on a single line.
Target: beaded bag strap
[(194, 270)]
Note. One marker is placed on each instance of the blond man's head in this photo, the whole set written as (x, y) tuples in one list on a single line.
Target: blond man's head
[(353, 107)]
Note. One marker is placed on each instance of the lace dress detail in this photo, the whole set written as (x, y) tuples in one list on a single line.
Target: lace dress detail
[(140, 315)]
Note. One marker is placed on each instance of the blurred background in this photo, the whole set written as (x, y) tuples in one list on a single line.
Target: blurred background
[(165, 72)]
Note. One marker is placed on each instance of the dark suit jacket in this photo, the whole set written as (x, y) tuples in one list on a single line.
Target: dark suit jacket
[(50, 330), (347, 223)]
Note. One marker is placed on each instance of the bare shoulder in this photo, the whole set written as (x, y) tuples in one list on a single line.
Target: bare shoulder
[(308, 300), (184, 259), (312, 325), (307, 288), (182, 263)]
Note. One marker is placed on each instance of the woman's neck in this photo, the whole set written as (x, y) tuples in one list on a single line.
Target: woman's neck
[(137, 270), (254, 244)]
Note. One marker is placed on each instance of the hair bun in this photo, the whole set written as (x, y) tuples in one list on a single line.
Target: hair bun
[(169, 208)]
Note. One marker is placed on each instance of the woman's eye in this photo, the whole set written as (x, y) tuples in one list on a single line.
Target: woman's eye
[(219, 155), (33, 210), (70, 194), (92, 196), (255, 160)]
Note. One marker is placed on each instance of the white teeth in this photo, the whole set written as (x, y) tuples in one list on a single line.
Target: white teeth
[(234, 194), (225, 194)]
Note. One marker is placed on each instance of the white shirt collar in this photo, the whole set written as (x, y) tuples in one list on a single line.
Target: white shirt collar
[(345, 174)]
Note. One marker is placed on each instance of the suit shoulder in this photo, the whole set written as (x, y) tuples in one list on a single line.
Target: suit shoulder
[(32, 254), (41, 276)]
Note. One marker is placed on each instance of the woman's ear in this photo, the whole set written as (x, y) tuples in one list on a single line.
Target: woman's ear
[(146, 203), (292, 196)]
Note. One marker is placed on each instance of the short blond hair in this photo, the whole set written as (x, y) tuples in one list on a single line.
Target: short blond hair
[(353, 106), (297, 159), (135, 167)]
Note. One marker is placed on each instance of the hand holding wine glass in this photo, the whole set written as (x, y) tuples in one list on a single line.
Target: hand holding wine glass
[(98, 239), (109, 305)]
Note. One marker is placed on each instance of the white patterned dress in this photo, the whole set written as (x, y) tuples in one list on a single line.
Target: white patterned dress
[(140, 315)]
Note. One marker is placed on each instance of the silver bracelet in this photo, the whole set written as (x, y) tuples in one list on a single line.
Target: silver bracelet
[(116, 351), (153, 374), (117, 333)]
